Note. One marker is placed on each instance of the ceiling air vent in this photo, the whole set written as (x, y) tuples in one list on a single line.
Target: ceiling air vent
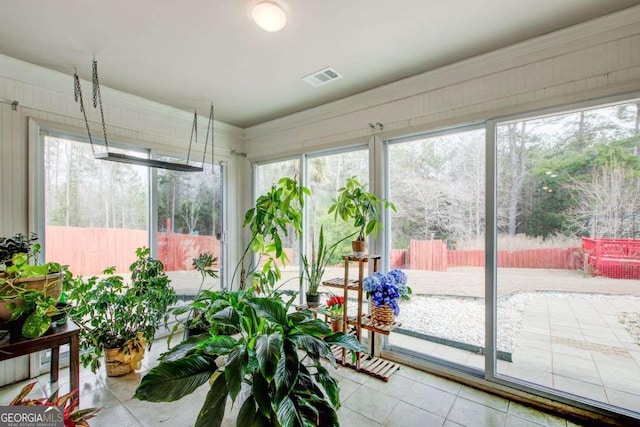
[(322, 77)]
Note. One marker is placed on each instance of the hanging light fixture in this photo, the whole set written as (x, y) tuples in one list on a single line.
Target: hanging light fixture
[(134, 160), (269, 16)]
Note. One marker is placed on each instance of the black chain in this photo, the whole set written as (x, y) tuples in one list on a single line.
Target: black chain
[(97, 99), (206, 140), (194, 131), (77, 92)]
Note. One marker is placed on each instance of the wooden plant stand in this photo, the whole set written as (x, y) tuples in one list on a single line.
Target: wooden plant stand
[(365, 362), (53, 339)]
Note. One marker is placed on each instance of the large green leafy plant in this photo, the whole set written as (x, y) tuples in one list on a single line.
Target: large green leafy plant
[(114, 314), (271, 367), (276, 213)]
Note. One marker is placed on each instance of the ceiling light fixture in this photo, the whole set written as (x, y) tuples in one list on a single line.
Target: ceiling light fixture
[(269, 16)]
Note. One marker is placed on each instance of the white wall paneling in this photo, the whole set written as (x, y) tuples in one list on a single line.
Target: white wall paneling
[(595, 59)]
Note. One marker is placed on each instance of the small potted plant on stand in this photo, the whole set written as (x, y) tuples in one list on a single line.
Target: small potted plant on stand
[(335, 311), (362, 208), (18, 274), (385, 290), (315, 266), (120, 319)]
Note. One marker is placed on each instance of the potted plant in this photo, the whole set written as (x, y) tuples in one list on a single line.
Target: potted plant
[(29, 292), (275, 214), (191, 316), (385, 291), (117, 318), (17, 244), (362, 208), (335, 311), (71, 416), (271, 368), (315, 266)]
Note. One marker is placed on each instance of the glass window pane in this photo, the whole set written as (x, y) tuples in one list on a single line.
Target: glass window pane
[(266, 175), (96, 211), (189, 223), (437, 238), (327, 174), (569, 252)]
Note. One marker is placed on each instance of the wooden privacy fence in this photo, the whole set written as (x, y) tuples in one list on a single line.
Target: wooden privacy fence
[(88, 251), (433, 255)]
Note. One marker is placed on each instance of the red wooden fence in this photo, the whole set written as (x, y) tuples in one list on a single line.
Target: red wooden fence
[(427, 255), (398, 258), (433, 255), (88, 251)]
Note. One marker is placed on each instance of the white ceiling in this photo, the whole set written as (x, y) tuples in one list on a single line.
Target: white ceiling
[(191, 52)]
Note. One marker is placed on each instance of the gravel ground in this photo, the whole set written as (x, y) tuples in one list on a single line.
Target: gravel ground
[(462, 318)]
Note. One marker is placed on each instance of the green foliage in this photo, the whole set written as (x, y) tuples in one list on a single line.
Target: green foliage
[(552, 182), (17, 285), (275, 214), (17, 244), (357, 205), (321, 256), (264, 366), (111, 313)]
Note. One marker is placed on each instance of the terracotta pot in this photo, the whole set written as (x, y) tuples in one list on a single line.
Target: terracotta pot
[(359, 247), (337, 324), (50, 284)]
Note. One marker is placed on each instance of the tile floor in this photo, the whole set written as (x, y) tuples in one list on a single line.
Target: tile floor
[(571, 342), (410, 398)]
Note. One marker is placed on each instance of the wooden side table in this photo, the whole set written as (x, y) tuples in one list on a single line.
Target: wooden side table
[(69, 333)]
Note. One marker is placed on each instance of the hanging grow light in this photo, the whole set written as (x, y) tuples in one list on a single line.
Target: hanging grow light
[(134, 160)]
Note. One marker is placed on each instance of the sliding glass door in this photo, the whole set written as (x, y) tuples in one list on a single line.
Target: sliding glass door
[(437, 235)]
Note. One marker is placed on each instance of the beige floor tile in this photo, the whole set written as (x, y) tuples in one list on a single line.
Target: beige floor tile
[(484, 398), (405, 415), (397, 386), (430, 399), (470, 413), (513, 421), (371, 403), (347, 387), (100, 398), (435, 381), (9, 392), (535, 416), (449, 423), (350, 418), (115, 416)]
